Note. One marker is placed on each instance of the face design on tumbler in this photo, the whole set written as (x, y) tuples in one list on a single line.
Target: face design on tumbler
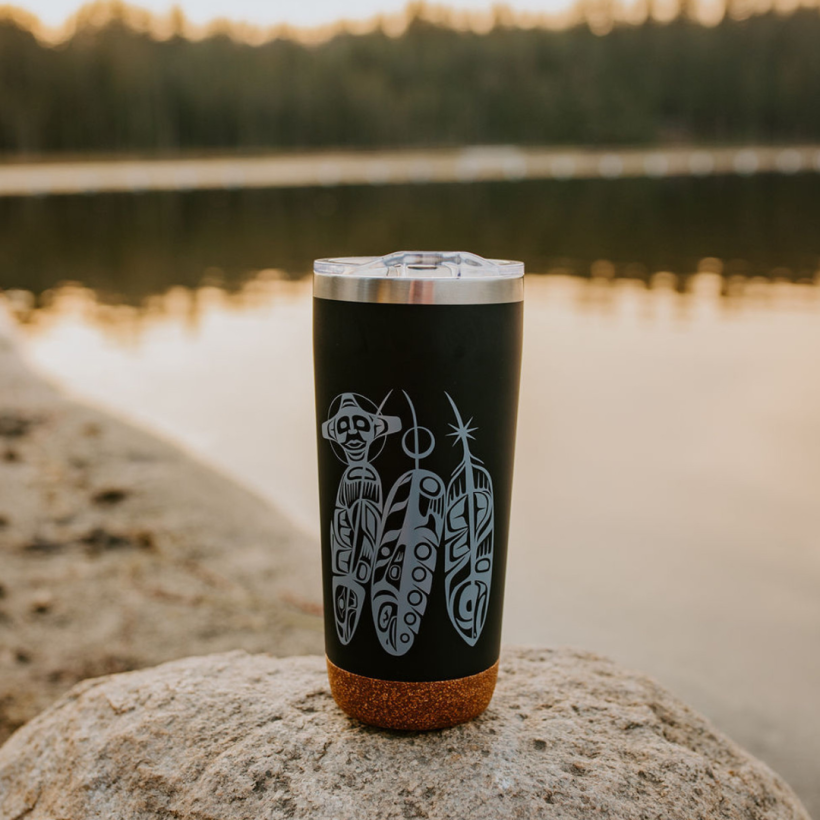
[(355, 424), (389, 549), (355, 434)]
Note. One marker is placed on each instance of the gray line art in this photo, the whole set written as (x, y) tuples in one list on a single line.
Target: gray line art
[(468, 537), (409, 538), (356, 429), (390, 548)]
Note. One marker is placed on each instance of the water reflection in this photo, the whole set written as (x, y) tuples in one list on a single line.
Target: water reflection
[(661, 296), (131, 246)]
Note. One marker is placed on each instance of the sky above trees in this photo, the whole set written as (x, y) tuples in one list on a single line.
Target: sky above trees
[(272, 12)]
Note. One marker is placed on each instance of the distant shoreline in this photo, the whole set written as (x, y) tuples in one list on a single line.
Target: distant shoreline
[(47, 176)]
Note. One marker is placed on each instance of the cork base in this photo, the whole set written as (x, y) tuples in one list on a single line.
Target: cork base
[(416, 706)]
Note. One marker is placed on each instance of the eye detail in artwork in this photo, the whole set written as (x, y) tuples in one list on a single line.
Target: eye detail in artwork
[(429, 486)]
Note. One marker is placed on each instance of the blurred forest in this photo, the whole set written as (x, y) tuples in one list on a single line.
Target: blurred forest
[(113, 88)]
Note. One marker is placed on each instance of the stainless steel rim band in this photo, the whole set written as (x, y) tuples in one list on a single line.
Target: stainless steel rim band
[(483, 291)]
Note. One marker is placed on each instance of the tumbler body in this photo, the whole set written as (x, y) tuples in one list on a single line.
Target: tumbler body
[(416, 408)]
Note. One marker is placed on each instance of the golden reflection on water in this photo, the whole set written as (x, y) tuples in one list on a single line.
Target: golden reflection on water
[(660, 296), (124, 323)]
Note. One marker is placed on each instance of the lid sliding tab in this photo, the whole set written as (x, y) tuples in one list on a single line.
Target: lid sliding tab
[(419, 277)]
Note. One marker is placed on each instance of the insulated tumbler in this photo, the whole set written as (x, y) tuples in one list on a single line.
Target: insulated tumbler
[(417, 359)]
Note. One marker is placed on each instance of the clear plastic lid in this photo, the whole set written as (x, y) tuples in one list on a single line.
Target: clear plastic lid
[(420, 265)]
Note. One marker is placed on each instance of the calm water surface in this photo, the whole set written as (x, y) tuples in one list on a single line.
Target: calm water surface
[(129, 247), (666, 505)]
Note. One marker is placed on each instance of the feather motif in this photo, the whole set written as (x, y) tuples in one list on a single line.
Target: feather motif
[(353, 428), (353, 538), (408, 542), (468, 538)]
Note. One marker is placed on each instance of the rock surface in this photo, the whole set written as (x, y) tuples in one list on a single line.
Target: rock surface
[(232, 736), (119, 551)]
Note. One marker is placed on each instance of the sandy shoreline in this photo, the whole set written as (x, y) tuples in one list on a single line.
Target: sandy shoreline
[(119, 551)]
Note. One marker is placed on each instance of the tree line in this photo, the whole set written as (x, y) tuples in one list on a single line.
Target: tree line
[(113, 88)]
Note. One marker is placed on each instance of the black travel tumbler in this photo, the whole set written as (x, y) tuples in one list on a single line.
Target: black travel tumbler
[(417, 360)]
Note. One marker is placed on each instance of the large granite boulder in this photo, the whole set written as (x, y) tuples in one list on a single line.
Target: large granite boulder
[(232, 736)]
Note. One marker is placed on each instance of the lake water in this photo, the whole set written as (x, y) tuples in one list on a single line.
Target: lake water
[(132, 246), (667, 490)]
